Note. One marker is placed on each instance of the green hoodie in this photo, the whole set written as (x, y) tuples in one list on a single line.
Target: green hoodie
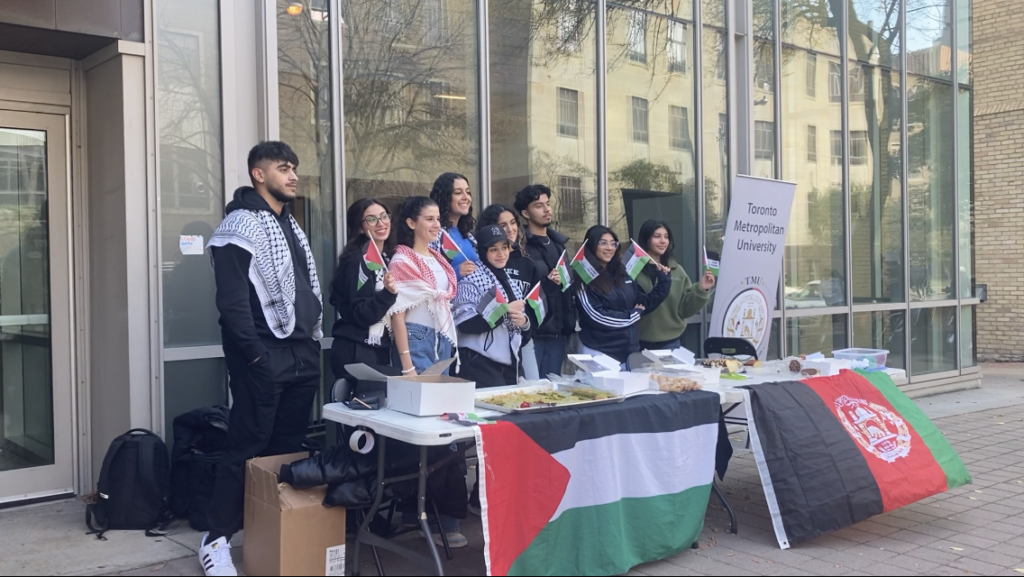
[(685, 299)]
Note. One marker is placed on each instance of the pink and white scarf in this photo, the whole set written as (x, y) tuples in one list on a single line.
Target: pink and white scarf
[(417, 286)]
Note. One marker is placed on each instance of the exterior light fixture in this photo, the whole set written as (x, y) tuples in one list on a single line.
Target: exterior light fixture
[(295, 8)]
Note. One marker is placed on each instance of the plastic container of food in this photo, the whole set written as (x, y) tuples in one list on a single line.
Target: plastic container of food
[(874, 357)]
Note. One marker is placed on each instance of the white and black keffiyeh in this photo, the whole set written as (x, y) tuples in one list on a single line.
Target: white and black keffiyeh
[(270, 270), (473, 288)]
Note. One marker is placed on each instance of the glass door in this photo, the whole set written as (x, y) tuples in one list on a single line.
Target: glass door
[(35, 308)]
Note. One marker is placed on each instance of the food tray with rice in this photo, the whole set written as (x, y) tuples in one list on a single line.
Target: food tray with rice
[(542, 397)]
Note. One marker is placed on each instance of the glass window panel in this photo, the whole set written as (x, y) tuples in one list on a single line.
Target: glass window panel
[(26, 375), (651, 161), (875, 31), (815, 242), (811, 72), (715, 129), (932, 340), (968, 337), (764, 90), (930, 188), (965, 189), (775, 341), (411, 95), (191, 164), (530, 63), (811, 25), (812, 143), (876, 192), (189, 385), (677, 47), (882, 330), (713, 12), (824, 334), (304, 88), (929, 37), (964, 40), (568, 113), (636, 38), (691, 338)]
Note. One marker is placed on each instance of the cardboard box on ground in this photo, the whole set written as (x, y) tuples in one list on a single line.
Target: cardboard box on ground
[(288, 531)]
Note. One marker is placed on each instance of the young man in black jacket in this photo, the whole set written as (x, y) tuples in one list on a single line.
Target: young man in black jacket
[(271, 314), (545, 246)]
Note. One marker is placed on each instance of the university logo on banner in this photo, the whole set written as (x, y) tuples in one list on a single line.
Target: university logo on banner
[(874, 427)]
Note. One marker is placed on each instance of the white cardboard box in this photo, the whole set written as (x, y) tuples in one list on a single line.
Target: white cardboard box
[(431, 393), (605, 374)]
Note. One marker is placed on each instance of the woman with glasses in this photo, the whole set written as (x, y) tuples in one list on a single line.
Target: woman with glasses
[(521, 270), (611, 305), (663, 327), (451, 193), (362, 297)]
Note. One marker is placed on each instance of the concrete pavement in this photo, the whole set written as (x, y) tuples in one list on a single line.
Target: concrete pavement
[(971, 530)]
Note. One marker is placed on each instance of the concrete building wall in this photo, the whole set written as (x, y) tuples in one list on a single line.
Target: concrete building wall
[(999, 176)]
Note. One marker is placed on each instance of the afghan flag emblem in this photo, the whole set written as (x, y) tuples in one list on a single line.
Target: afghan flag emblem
[(374, 262), (448, 245), (849, 447), (563, 273), (493, 306), (583, 267), (636, 259), (538, 302)]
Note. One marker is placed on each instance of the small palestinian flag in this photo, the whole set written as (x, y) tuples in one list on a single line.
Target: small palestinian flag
[(597, 491), (373, 260), (583, 267), (493, 306), (636, 259), (834, 451), (448, 246), (538, 302), (563, 273)]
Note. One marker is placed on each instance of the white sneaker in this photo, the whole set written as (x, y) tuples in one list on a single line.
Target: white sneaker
[(216, 558), (456, 540)]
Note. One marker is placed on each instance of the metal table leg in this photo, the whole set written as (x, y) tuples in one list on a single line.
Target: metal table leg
[(725, 503), (421, 511), (364, 527)]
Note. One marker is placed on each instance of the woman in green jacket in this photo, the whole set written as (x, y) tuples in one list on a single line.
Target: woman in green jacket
[(663, 327)]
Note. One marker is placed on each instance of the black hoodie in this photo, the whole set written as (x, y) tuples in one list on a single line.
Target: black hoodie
[(243, 325), (544, 251), (359, 308)]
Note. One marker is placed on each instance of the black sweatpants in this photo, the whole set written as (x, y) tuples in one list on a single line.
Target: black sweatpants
[(485, 372), (272, 403)]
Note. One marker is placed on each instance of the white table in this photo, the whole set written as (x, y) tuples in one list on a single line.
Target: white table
[(731, 394), (424, 432)]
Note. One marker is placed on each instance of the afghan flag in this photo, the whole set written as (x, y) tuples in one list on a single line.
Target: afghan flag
[(636, 259), (374, 262), (538, 302), (493, 306), (583, 267), (563, 273), (834, 451), (596, 491), (448, 245)]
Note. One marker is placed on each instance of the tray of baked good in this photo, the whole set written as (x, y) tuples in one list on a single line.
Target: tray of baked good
[(543, 396)]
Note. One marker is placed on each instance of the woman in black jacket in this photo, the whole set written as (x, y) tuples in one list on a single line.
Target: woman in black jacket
[(521, 269), (610, 306), (362, 296)]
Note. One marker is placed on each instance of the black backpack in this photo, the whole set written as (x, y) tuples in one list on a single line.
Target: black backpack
[(133, 485), (199, 440)]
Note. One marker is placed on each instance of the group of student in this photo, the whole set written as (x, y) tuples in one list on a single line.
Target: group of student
[(425, 306), (417, 304)]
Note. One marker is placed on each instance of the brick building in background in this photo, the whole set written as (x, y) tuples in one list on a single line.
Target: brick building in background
[(998, 58)]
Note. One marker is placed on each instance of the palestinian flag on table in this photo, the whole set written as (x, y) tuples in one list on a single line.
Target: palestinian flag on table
[(636, 259), (833, 451), (493, 306), (538, 302), (596, 491), (563, 273), (373, 260), (448, 245), (583, 266)]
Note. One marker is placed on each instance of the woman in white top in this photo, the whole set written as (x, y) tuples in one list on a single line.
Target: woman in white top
[(421, 318)]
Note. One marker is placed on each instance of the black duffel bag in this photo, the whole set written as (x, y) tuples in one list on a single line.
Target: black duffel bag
[(199, 440)]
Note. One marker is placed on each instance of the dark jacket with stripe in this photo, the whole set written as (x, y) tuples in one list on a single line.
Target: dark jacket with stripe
[(610, 323)]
